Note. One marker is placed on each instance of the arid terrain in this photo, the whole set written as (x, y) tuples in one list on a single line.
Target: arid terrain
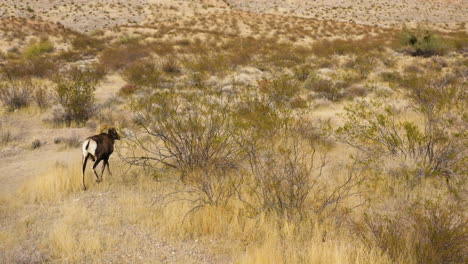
[(251, 131)]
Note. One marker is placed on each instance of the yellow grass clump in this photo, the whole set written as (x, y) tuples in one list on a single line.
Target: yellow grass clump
[(54, 185)]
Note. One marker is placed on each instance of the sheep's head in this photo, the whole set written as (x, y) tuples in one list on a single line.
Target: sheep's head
[(113, 133)]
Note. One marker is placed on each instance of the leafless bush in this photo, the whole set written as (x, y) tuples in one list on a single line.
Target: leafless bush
[(6, 136), (288, 182), (182, 136), (15, 94), (41, 97), (71, 142)]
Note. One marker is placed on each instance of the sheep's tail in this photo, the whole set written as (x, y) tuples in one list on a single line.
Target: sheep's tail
[(84, 160), (87, 144), (84, 149)]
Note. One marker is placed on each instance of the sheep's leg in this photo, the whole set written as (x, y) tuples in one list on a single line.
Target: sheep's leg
[(94, 169), (108, 169), (85, 160), (103, 167)]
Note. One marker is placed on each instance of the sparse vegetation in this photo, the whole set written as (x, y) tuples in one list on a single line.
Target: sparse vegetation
[(264, 136)]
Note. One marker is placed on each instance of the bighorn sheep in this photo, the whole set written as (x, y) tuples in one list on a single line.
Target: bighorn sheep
[(99, 147)]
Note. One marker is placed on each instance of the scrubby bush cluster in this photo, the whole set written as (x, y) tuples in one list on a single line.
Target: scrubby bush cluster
[(75, 93), (16, 94), (435, 148)]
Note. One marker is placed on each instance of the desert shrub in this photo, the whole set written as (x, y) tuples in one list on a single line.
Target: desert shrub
[(209, 63), (37, 67), (119, 57), (280, 90), (38, 49), (15, 94), (286, 180), (285, 55), (197, 79), (325, 88), (301, 73), (376, 131), (6, 136), (390, 76), (75, 93), (83, 42), (434, 94), (259, 119), (346, 46), (423, 233), (356, 91), (424, 43), (143, 73), (171, 66), (36, 144), (128, 90), (41, 96), (70, 55), (73, 141), (362, 64), (184, 136)]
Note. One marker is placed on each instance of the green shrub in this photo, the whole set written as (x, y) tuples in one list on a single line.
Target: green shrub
[(424, 43), (75, 93), (35, 50), (375, 130)]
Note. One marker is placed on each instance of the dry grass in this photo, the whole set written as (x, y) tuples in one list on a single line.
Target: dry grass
[(54, 185), (73, 237)]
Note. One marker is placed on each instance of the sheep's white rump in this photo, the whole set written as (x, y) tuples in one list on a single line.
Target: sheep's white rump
[(89, 147)]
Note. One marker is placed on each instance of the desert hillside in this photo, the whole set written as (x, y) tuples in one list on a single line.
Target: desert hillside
[(233, 131), (87, 16)]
